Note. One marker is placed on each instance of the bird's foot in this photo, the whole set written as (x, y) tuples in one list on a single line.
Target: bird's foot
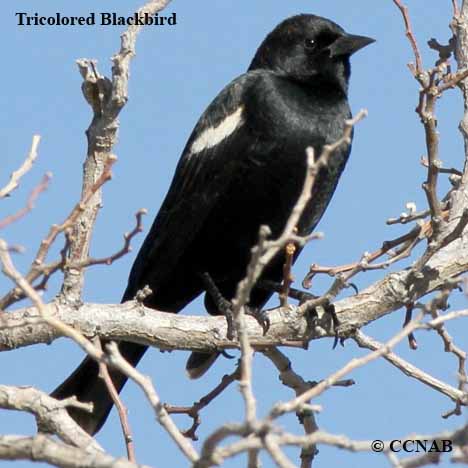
[(330, 309), (225, 307), (261, 316), (312, 315), (312, 318)]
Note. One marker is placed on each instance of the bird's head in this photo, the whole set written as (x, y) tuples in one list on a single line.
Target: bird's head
[(310, 49)]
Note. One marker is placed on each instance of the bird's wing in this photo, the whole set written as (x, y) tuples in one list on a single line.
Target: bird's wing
[(213, 150)]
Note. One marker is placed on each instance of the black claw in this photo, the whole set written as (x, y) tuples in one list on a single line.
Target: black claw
[(337, 340), (354, 287), (330, 309), (311, 322), (226, 354), (261, 316), (312, 318), (225, 307)]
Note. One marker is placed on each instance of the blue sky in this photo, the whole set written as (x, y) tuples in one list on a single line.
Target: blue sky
[(178, 70)]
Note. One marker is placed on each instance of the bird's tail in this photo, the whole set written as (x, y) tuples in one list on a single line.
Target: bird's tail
[(199, 363), (87, 386)]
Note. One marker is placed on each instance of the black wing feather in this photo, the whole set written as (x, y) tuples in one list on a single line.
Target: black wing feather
[(198, 182)]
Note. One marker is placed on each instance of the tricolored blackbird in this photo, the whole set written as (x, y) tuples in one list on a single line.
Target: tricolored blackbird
[(242, 167)]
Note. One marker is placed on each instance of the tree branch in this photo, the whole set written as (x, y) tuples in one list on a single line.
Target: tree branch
[(106, 98), (410, 370), (23, 169), (50, 414), (45, 449)]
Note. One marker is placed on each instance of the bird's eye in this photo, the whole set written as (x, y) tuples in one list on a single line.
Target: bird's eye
[(310, 44)]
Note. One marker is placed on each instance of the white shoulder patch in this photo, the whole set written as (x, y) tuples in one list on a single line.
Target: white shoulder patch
[(214, 135)]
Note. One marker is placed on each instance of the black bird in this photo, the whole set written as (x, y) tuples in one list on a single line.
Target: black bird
[(243, 166)]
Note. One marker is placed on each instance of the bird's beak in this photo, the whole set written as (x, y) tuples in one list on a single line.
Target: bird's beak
[(348, 44)]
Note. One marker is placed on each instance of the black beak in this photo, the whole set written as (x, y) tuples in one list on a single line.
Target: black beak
[(348, 44)]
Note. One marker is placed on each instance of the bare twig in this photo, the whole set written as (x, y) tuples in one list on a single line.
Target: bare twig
[(449, 346), (295, 404), (242, 296), (406, 218), (51, 415), (409, 241), (446, 317), (11, 272), (24, 168), (35, 192), (37, 269), (119, 363), (126, 248), (434, 82), (454, 233), (194, 410), (442, 170), (450, 81), (288, 279), (48, 269), (121, 408), (253, 461), (114, 358), (410, 35), (294, 381), (408, 369), (458, 437), (275, 452)]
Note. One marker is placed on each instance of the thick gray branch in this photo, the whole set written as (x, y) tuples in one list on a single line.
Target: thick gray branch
[(51, 415), (45, 449), (134, 322)]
